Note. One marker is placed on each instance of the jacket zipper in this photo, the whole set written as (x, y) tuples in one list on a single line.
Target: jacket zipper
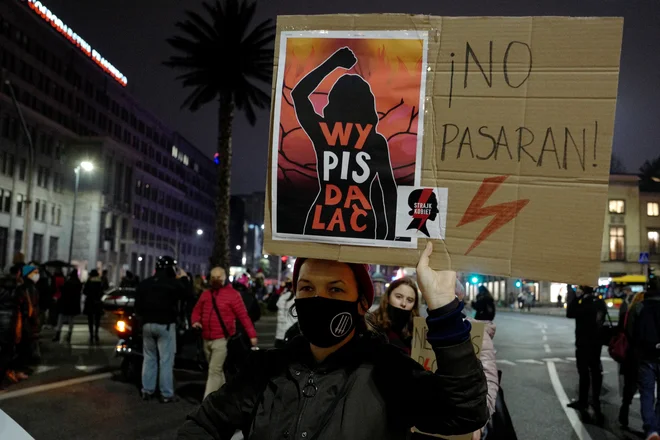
[(310, 381)]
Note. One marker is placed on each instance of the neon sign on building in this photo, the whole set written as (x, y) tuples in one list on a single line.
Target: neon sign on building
[(75, 39)]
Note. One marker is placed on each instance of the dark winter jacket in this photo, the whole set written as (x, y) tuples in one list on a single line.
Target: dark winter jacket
[(589, 313), (93, 292), (643, 327), (484, 308), (8, 309), (366, 390), (69, 303), (158, 299)]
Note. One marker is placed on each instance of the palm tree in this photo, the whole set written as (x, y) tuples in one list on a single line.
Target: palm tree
[(226, 60)]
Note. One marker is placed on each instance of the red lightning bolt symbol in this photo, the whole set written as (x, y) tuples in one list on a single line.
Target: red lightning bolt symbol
[(502, 213)]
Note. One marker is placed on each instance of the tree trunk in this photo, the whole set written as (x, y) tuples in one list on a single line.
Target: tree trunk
[(220, 255)]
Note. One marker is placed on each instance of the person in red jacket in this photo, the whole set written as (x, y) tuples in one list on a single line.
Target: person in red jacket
[(221, 301)]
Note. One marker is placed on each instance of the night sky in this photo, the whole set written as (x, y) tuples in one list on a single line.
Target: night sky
[(131, 34)]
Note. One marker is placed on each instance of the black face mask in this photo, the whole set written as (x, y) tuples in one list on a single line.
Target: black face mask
[(326, 322), (399, 318)]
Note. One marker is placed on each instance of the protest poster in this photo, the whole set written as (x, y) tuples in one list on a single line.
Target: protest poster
[(505, 157), (423, 353)]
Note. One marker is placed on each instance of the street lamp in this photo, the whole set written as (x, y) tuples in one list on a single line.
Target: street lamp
[(85, 166), (238, 247), (200, 232)]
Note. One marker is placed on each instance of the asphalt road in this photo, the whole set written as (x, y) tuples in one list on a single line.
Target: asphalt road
[(70, 403)]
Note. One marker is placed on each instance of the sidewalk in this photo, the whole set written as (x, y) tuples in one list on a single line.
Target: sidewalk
[(546, 311)]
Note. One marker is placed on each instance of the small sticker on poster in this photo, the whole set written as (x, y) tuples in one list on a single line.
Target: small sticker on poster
[(421, 212)]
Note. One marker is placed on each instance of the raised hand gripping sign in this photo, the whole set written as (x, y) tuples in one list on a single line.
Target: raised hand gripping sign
[(477, 132)]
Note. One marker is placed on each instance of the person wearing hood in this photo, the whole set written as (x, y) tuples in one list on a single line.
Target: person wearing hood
[(398, 307), (285, 318), (93, 292), (484, 306), (215, 314), (340, 381)]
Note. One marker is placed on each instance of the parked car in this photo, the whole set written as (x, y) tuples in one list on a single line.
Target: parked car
[(119, 298)]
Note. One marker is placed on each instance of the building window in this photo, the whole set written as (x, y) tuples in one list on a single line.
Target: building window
[(18, 240), (37, 247), (617, 243), (136, 211), (19, 205), (617, 207), (58, 220), (654, 241), (53, 215), (6, 201), (22, 168), (53, 245), (4, 237), (143, 237), (653, 209)]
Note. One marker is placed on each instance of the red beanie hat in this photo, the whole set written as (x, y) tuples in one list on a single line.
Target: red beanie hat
[(361, 271)]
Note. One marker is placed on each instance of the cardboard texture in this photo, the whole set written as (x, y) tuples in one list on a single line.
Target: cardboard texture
[(424, 354), (522, 142)]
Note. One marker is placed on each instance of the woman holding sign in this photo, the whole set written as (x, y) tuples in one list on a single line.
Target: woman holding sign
[(337, 381)]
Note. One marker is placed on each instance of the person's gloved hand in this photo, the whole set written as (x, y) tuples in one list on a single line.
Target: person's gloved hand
[(197, 325), (438, 287)]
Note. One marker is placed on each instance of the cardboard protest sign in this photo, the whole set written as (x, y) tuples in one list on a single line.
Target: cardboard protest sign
[(423, 353), (491, 135)]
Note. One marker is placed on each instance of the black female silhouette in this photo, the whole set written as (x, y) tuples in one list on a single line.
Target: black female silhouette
[(357, 191)]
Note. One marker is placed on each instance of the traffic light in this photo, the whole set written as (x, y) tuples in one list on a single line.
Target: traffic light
[(284, 260), (474, 279), (518, 284)]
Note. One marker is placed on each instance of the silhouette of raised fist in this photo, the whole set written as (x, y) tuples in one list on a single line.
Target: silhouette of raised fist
[(344, 57)]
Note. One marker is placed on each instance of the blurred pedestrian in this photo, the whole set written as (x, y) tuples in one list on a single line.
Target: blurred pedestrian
[(157, 304), (398, 307), (129, 281), (589, 312), (215, 314), (627, 368), (285, 317), (484, 306), (27, 323), (69, 305), (529, 301), (58, 282), (560, 302), (105, 280), (93, 292), (643, 330), (8, 315)]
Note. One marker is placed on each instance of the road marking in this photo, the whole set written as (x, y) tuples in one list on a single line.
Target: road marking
[(505, 362), (608, 359), (543, 331), (560, 360), (530, 361), (52, 386), (545, 338), (44, 368), (546, 347), (571, 359), (88, 368), (572, 415)]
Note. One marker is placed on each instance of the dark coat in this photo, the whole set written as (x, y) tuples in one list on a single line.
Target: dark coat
[(366, 390), (69, 303), (589, 313), (8, 309), (93, 292)]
